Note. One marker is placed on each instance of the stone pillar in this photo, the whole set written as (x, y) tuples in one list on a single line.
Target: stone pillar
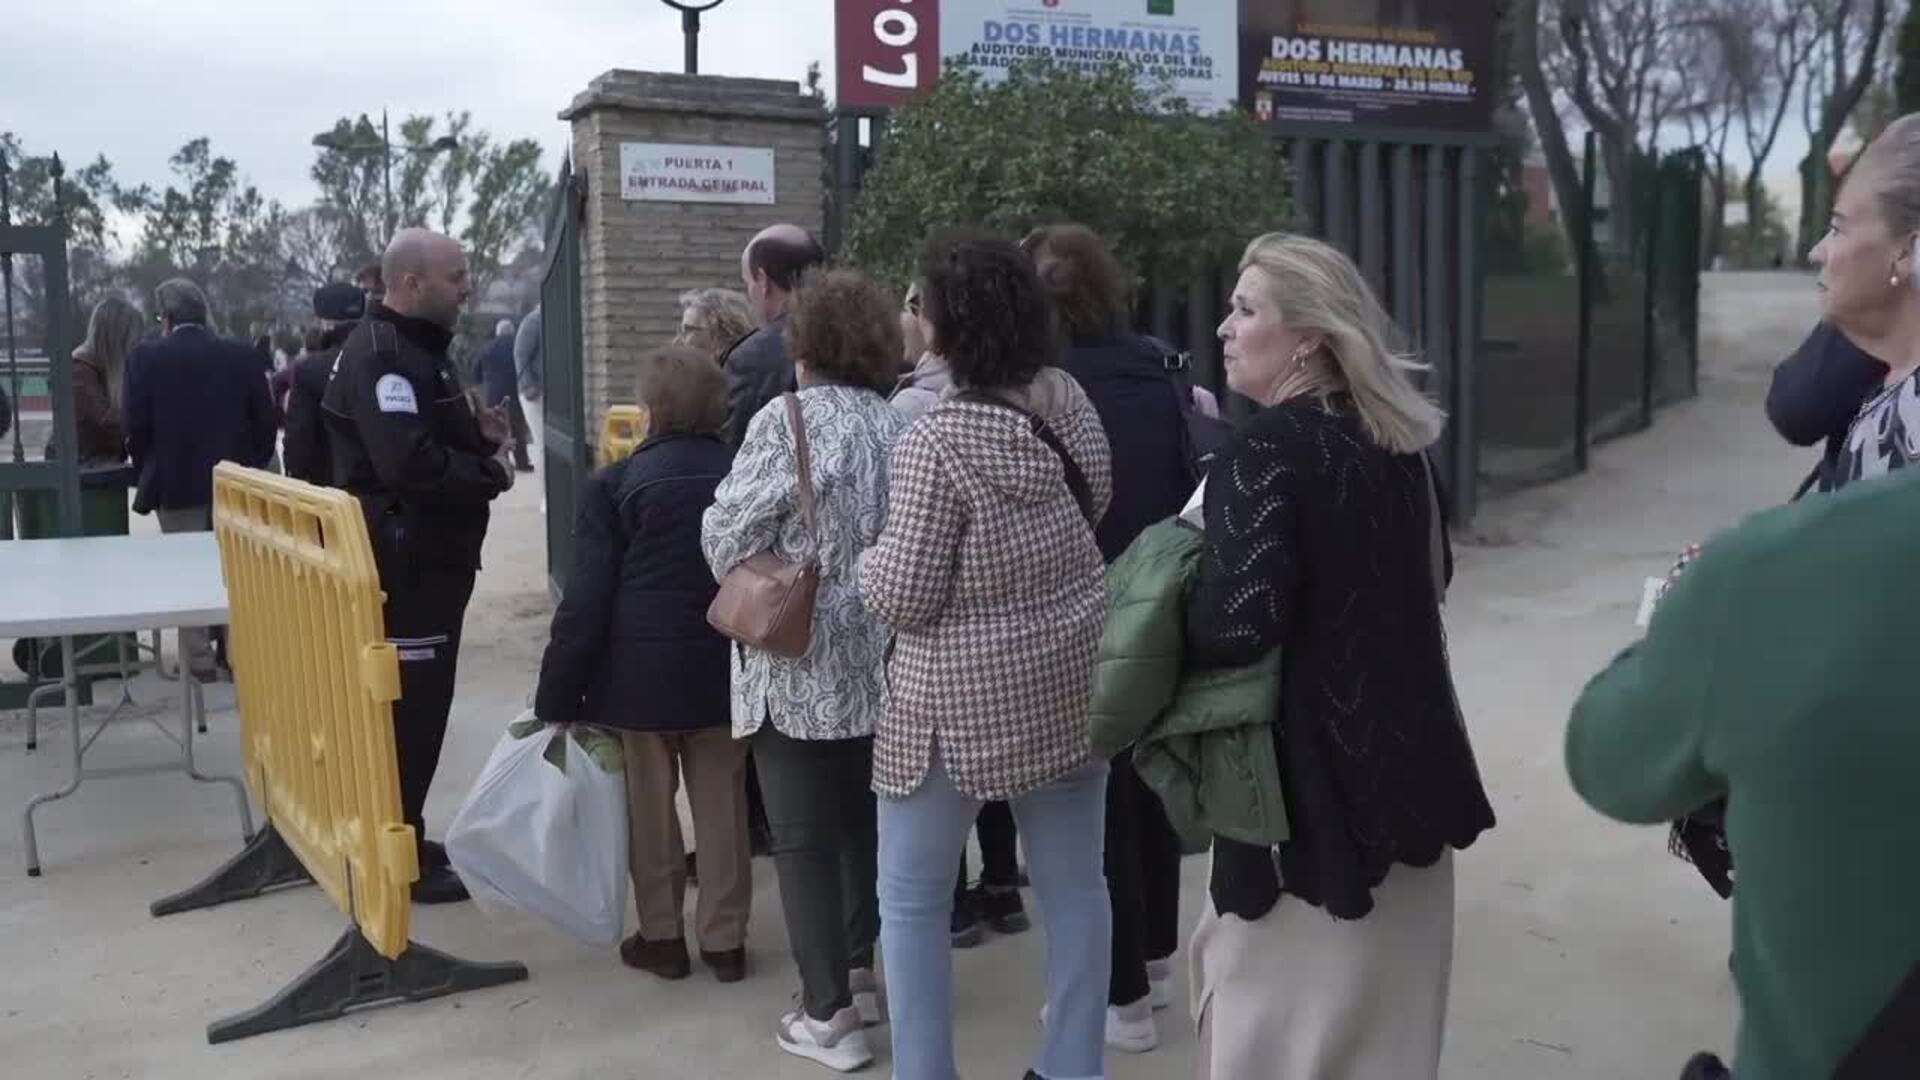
[(637, 255)]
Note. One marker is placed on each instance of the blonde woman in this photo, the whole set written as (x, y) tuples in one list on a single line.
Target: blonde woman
[(1329, 957), (711, 320), (99, 365)]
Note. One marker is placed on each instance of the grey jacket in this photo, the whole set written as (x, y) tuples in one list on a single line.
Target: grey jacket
[(920, 389)]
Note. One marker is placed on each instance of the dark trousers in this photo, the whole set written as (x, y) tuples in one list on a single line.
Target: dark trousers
[(820, 810), (522, 435), (999, 864), (424, 613), (1143, 881)]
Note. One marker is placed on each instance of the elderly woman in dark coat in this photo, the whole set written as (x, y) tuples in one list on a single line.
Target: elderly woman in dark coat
[(631, 650)]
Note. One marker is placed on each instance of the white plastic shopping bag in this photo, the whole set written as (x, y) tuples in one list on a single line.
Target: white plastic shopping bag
[(544, 830)]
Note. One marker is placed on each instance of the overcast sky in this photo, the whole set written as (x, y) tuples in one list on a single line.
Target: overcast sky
[(135, 79)]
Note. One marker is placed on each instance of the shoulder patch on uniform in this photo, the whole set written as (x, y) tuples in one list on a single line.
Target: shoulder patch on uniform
[(395, 394)]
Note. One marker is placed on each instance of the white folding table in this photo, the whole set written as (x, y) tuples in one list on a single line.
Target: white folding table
[(114, 585)]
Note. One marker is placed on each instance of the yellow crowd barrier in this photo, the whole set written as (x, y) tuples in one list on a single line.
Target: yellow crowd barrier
[(623, 428), (315, 680)]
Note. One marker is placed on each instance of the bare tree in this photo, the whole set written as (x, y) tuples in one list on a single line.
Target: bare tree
[(1615, 61), (1719, 60), (1785, 34), (1849, 44), (1547, 128)]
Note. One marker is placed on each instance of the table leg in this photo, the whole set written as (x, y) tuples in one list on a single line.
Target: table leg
[(71, 682), (193, 714)]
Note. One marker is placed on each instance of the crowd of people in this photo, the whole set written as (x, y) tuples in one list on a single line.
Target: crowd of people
[(957, 469), (950, 477)]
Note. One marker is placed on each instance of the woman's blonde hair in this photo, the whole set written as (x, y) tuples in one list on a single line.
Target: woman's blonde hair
[(115, 327), (726, 310), (1320, 293)]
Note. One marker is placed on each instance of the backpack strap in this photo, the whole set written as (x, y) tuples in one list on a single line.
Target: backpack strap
[(1076, 479)]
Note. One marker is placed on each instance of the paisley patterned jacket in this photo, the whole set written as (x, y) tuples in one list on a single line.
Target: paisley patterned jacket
[(838, 689)]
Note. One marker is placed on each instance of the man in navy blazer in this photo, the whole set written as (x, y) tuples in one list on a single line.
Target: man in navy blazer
[(190, 401)]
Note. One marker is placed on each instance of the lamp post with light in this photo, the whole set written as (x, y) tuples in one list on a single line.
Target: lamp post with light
[(328, 140), (690, 23)]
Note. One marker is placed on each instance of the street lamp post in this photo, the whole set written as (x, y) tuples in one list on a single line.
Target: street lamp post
[(690, 25), (327, 140)]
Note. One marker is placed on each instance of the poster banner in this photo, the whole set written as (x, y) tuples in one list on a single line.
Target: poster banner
[(1405, 65), (887, 48)]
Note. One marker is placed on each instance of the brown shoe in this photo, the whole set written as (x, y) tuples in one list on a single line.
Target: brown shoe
[(667, 959), (729, 965)]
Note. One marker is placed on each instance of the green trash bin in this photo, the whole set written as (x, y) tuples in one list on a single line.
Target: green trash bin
[(103, 505)]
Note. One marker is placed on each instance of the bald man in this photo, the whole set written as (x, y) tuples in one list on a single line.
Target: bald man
[(758, 368), (424, 465)]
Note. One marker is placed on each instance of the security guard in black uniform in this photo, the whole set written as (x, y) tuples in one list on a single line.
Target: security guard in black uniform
[(410, 446)]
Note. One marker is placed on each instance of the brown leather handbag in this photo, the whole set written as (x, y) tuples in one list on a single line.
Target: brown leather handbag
[(765, 601)]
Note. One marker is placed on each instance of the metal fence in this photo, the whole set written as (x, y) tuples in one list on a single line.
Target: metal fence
[(566, 444), (1587, 345)]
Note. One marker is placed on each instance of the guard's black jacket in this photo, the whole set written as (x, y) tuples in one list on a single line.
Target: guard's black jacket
[(406, 441)]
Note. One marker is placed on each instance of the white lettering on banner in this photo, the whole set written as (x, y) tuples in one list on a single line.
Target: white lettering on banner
[(393, 393), (671, 172), (1194, 43)]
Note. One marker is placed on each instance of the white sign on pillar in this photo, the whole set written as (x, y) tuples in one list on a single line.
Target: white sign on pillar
[(673, 172)]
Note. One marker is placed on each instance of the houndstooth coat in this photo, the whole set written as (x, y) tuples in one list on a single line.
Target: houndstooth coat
[(989, 572)]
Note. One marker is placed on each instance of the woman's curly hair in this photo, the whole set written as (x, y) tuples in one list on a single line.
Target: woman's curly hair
[(991, 321), (846, 329)]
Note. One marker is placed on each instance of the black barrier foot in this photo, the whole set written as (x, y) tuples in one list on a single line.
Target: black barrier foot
[(265, 863), (353, 976)]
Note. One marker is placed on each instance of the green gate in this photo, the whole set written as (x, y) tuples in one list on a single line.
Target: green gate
[(567, 445), (60, 477)]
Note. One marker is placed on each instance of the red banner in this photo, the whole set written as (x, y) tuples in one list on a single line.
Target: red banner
[(888, 51)]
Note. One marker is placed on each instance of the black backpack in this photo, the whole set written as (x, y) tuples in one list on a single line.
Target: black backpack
[(1204, 435)]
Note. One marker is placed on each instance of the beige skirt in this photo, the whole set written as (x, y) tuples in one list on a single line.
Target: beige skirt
[(1300, 995)]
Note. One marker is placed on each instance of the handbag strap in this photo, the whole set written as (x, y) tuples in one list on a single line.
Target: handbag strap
[(803, 463), (1076, 480)]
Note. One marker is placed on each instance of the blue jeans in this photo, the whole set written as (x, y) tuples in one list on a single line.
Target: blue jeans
[(1062, 827)]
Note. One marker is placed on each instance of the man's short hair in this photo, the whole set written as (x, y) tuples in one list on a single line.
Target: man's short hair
[(181, 302), (503, 328), (370, 278), (784, 261)]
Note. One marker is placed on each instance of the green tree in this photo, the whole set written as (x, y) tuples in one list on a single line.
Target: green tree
[(89, 196), (510, 195), (490, 196), (352, 193), (1174, 193)]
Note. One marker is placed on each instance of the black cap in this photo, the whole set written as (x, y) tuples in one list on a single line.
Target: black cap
[(339, 302)]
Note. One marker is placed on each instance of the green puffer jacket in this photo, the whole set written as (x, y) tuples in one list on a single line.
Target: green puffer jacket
[(1203, 740)]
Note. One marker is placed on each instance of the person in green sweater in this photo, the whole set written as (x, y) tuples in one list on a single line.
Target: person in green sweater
[(1770, 676)]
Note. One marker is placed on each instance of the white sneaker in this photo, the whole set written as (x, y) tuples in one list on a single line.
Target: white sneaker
[(869, 997), (1160, 983), (1130, 1028), (840, 1044)]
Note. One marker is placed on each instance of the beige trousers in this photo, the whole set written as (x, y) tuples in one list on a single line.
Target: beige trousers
[(1300, 995), (715, 766)]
